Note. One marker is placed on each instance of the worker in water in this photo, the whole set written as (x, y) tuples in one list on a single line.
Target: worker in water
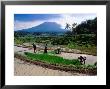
[(59, 50), (45, 49), (34, 47)]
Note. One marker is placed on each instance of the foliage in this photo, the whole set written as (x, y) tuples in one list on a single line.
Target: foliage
[(95, 64), (52, 59), (86, 49), (87, 27), (56, 60)]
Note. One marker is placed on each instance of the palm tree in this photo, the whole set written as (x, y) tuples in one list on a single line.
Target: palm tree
[(73, 27), (67, 26)]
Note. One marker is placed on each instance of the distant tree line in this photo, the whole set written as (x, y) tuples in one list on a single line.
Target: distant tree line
[(86, 27)]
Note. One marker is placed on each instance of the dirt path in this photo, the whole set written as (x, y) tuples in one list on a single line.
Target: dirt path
[(22, 68)]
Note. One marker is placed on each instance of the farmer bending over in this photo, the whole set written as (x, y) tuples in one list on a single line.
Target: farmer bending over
[(82, 59)]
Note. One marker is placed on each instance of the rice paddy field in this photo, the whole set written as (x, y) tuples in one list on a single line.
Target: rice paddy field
[(56, 48)]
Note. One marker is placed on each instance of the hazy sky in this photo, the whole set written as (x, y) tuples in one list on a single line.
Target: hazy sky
[(24, 21)]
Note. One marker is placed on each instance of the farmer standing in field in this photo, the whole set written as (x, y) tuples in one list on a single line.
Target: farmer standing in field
[(34, 46), (45, 49)]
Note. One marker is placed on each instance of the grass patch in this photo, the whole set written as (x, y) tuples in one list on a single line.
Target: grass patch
[(88, 49), (52, 59)]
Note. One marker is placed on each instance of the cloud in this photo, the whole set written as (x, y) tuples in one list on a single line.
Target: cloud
[(19, 25), (72, 18)]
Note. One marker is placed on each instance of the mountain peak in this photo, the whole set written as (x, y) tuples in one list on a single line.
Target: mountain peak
[(50, 23), (46, 27)]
